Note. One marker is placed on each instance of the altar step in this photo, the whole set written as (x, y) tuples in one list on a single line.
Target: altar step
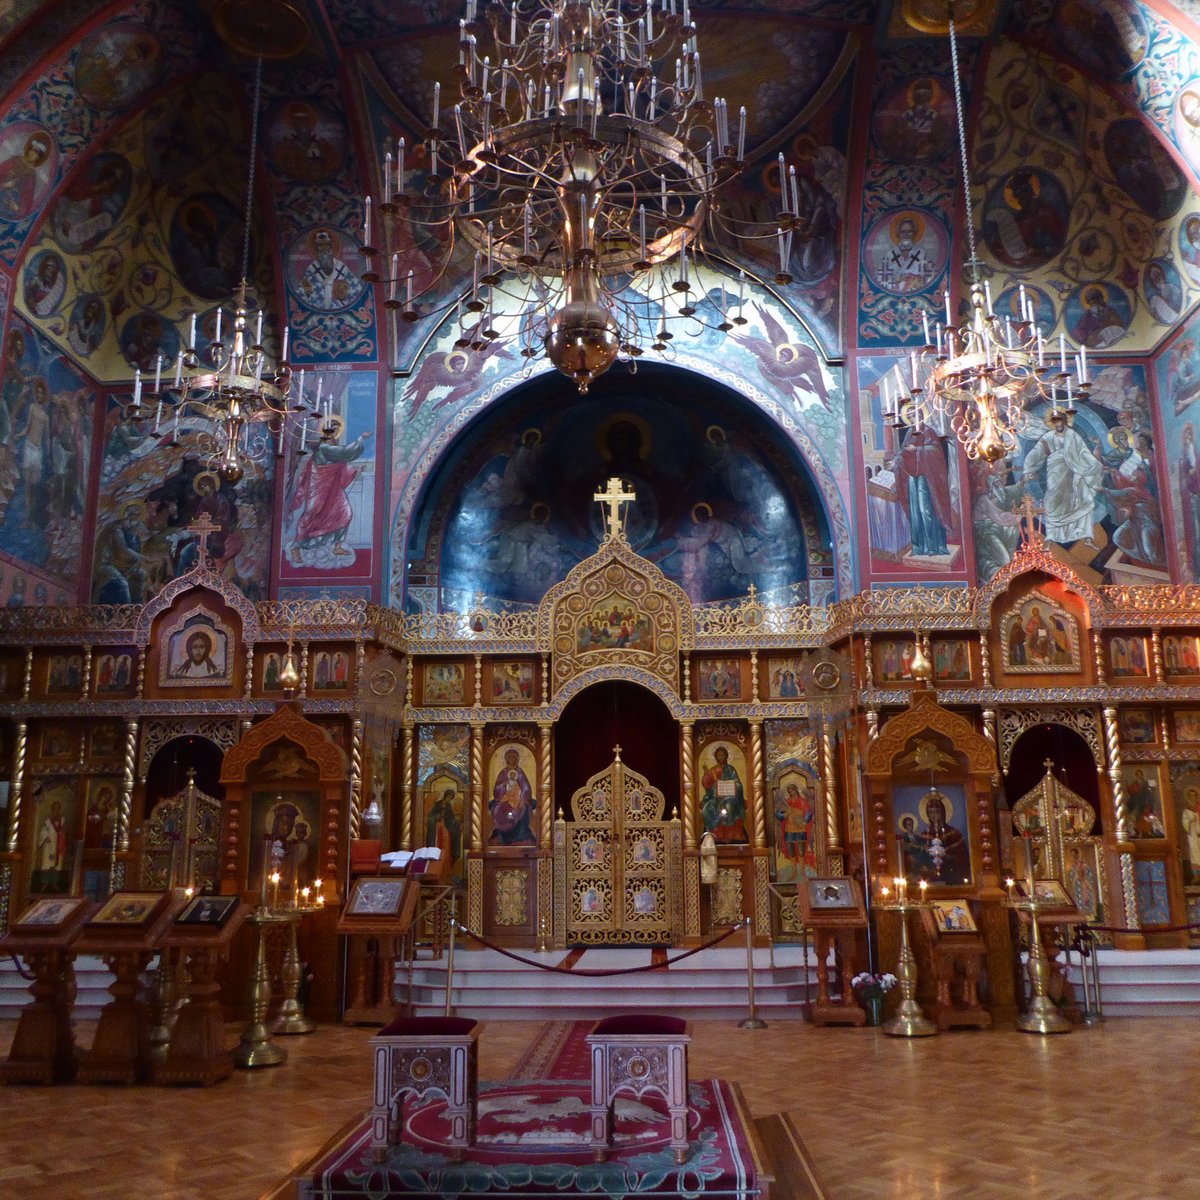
[(92, 978), (490, 985), (1134, 983), (1147, 983)]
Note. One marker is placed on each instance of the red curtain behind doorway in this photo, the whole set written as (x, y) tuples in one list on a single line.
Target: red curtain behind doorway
[(611, 714)]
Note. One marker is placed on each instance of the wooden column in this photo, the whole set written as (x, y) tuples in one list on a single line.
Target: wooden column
[(687, 762), (406, 787), (758, 808)]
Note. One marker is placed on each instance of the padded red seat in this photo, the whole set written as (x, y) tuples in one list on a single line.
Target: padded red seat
[(639, 1053), (422, 1056)]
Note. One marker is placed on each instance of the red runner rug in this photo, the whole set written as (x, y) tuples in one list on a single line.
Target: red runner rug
[(558, 1051), (532, 1143)]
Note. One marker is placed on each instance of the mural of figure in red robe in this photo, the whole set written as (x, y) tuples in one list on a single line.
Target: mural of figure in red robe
[(320, 497)]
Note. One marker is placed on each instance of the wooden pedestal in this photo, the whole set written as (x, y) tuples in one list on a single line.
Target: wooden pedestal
[(957, 966), (120, 1052), (43, 1048), (844, 1010), (197, 1052)]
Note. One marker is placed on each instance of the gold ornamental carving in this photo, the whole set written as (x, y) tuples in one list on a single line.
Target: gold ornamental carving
[(924, 713), (618, 863), (727, 897), (512, 897), (616, 609)]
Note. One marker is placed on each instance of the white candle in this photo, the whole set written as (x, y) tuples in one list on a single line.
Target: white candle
[(286, 332)]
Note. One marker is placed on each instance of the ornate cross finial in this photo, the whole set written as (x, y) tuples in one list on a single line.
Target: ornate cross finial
[(617, 753), (1031, 535), (611, 498), (203, 527)]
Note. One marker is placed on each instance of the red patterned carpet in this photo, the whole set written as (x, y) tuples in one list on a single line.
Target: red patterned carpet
[(532, 1144)]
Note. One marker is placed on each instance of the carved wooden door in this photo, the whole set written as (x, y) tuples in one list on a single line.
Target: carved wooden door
[(617, 864), (182, 831)]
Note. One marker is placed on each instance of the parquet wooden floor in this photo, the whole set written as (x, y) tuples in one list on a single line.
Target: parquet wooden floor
[(1103, 1114)]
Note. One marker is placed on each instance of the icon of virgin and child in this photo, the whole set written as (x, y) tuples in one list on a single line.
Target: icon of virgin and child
[(512, 804)]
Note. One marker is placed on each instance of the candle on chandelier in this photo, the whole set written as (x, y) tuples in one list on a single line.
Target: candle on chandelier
[(192, 334), (179, 366), (925, 325), (158, 373), (387, 178), (949, 315), (218, 331), (258, 329), (366, 220), (137, 386), (437, 103)]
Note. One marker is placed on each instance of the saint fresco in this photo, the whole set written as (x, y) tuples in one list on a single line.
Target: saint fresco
[(716, 505)]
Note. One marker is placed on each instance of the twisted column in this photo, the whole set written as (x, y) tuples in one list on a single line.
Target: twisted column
[(1098, 657), (1156, 655), (477, 788), (985, 661), (85, 685), (545, 785), (356, 778), (406, 787), (759, 811), (687, 764), (829, 784), (18, 783), (27, 679), (121, 841), (248, 690), (1112, 745)]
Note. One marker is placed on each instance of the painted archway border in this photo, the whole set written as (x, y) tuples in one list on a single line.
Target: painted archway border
[(799, 421)]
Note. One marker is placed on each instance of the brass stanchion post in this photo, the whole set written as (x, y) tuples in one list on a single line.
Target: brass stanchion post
[(753, 1021)]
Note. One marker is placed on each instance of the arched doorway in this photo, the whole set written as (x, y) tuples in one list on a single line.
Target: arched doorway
[(1067, 750), (617, 850), (616, 713), (183, 815)]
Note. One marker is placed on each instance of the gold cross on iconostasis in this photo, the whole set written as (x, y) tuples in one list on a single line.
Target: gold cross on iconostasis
[(203, 527), (613, 496)]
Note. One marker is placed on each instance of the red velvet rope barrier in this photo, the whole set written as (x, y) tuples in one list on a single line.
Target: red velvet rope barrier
[(529, 962), (1151, 929)]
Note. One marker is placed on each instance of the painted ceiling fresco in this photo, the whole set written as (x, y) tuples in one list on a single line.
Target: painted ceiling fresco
[(124, 129), (720, 504)]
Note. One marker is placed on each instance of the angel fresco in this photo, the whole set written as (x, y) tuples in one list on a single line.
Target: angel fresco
[(784, 363)]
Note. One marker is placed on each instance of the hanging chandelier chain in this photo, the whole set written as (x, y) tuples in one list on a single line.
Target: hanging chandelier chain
[(962, 149), (250, 170)]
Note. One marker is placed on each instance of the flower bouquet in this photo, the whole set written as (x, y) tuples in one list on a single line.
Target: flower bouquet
[(870, 989)]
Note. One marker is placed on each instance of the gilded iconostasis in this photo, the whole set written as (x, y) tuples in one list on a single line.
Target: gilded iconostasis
[(761, 453)]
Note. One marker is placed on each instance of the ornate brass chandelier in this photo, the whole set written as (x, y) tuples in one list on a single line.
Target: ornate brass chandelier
[(224, 400), (578, 166), (979, 378)]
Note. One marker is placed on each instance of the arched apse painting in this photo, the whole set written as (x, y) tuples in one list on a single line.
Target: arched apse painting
[(723, 500)]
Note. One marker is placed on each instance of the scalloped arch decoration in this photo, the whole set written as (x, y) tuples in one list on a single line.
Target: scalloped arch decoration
[(1033, 560), (285, 724), (615, 608), (924, 714), (200, 579)]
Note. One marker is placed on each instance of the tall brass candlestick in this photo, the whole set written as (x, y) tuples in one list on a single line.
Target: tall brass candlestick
[(256, 1049), (1041, 1016), (909, 1020), (291, 1018)]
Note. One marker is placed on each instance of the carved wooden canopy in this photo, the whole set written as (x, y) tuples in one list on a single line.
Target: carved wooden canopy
[(924, 714), (328, 763), (616, 608)]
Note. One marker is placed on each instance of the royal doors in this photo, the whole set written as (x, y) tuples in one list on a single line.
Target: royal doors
[(617, 864)]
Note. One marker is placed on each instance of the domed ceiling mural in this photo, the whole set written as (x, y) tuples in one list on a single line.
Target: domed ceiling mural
[(124, 135)]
